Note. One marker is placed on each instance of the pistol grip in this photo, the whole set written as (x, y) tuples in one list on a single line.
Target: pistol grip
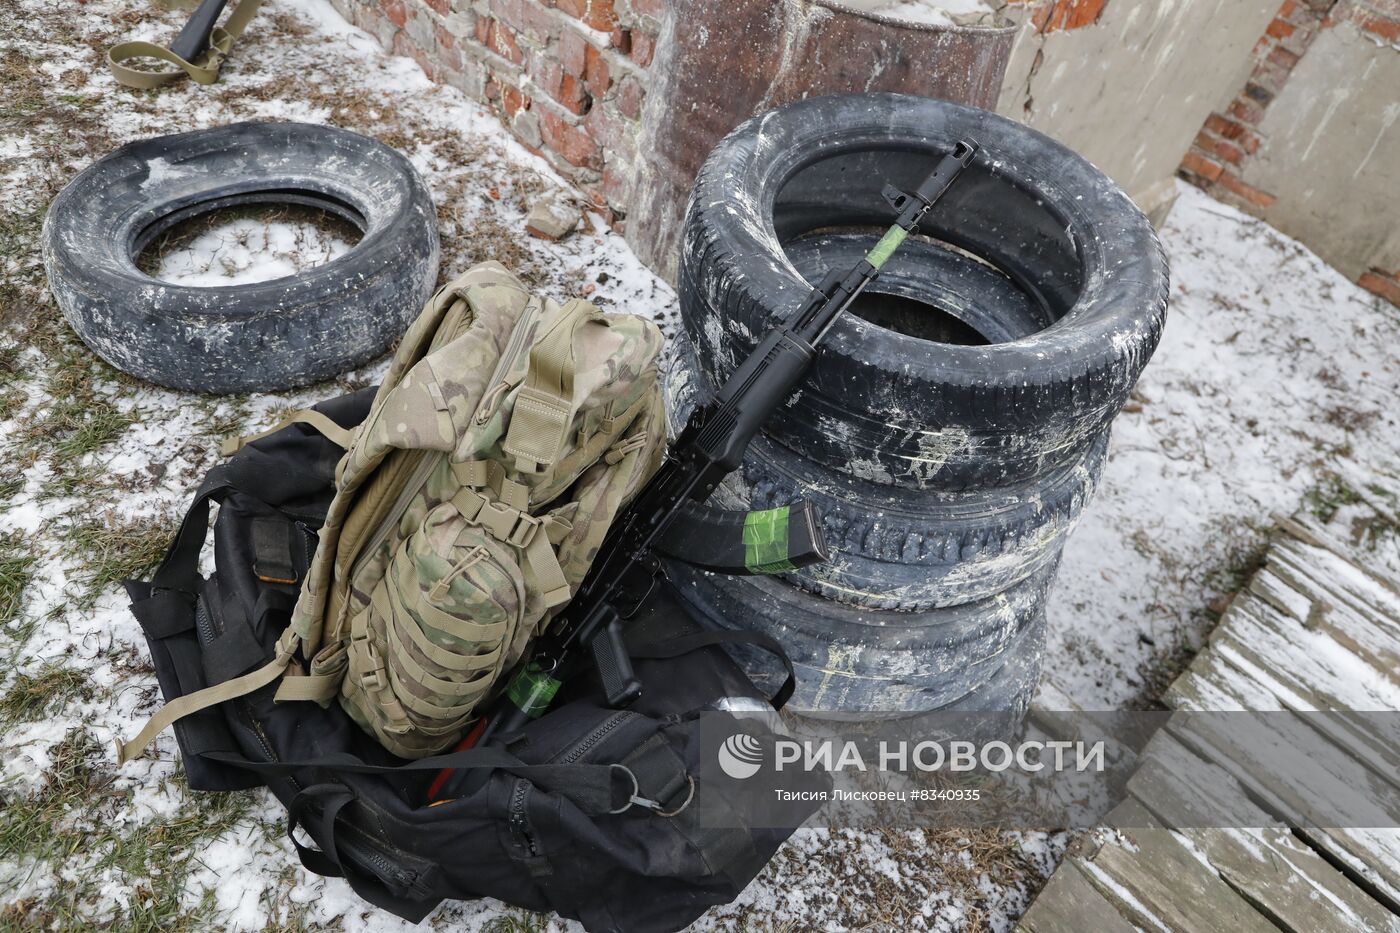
[(620, 684)]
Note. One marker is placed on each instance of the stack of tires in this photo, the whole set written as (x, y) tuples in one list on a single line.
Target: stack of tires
[(956, 420)]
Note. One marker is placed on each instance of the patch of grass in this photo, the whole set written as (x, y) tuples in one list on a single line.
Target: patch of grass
[(16, 569), (515, 922), (70, 813), (113, 549), (34, 696), (1330, 494)]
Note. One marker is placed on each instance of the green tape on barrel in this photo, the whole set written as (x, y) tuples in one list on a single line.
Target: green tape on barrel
[(886, 247), (766, 541), (532, 690)]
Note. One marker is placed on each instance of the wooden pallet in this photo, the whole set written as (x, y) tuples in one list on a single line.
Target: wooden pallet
[(1314, 630)]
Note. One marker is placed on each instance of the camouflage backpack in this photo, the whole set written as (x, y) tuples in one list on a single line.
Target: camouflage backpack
[(470, 503)]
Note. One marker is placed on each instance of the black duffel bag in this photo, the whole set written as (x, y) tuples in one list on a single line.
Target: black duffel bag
[(592, 812)]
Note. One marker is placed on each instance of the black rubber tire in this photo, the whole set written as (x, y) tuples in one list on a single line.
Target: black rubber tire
[(899, 548), (896, 409), (261, 336), (866, 663)]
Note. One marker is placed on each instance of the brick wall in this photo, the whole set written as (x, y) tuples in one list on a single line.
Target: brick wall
[(1230, 138), (567, 77)]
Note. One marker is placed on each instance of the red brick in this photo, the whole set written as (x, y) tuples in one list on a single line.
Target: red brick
[(573, 52), (1246, 111), (595, 72), (483, 29), (653, 8), (502, 42), (629, 97), (643, 48), (1375, 282), (1248, 141), (539, 22), (1280, 29), (1283, 58), (1238, 186), (1288, 9), (622, 40), (510, 12), (1386, 30), (1222, 150), (609, 131), (598, 14), (571, 142), (447, 48), (1220, 126), (571, 94), (395, 10), (1202, 166), (1067, 14), (513, 101), (441, 7)]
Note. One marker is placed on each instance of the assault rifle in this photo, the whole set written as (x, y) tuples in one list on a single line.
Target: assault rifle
[(710, 447)]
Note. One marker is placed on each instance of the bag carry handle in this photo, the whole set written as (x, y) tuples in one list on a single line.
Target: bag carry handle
[(327, 861)]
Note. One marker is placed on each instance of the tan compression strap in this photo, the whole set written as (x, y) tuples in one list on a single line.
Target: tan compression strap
[(181, 707), (544, 407), (543, 564), (203, 70), (323, 425)]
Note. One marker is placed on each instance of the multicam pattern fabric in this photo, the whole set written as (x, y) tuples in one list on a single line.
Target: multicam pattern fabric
[(443, 555)]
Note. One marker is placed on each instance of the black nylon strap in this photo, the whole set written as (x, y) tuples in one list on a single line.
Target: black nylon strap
[(332, 798), (684, 644), (592, 788)]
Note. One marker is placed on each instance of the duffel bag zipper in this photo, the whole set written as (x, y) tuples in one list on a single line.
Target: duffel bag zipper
[(384, 867), (519, 821), (594, 737), (203, 624)]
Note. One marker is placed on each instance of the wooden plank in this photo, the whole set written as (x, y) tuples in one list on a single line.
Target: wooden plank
[(1283, 879), (1070, 904), (1184, 790), (1159, 883), (1328, 579), (1372, 855), (1305, 528), (1286, 881)]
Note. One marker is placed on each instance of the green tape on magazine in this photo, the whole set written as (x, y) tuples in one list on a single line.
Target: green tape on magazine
[(766, 541)]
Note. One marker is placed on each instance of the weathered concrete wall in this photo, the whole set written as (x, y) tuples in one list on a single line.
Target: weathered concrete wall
[(1310, 142), (1127, 83), (1332, 156)]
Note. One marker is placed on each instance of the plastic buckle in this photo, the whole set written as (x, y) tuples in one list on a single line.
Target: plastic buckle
[(498, 519), (524, 531)]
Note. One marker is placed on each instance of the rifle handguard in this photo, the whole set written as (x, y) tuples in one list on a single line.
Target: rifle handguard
[(746, 543)]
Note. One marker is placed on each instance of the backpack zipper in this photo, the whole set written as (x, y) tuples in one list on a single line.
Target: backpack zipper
[(425, 468)]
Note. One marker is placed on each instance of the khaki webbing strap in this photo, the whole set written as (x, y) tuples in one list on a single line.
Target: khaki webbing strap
[(544, 407), (465, 632), (543, 564), (340, 437), (203, 70), (317, 688), (183, 706), (371, 675)]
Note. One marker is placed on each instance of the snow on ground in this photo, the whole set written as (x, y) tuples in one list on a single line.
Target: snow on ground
[(1271, 367), (1273, 372)]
